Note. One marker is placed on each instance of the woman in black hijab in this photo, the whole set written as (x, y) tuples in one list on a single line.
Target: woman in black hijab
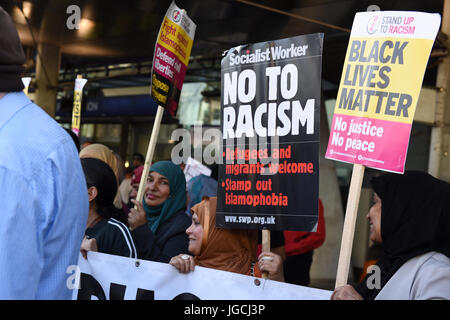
[(411, 218)]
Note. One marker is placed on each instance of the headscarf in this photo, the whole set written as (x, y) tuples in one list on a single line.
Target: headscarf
[(198, 187), (415, 219), (232, 250), (102, 152), (177, 196), (137, 174)]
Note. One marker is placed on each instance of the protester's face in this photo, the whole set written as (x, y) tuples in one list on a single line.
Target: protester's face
[(195, 234), (136, 163), (374, 217), (92, 194), (157, 189), (134, 191)]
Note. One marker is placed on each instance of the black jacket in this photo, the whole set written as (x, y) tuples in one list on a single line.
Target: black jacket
[(113, 237), (169, 240)]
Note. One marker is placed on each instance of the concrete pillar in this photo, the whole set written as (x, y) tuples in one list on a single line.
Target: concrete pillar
[(47, 72), (439, 159), (125, 128), (325, 259), (51, 34)]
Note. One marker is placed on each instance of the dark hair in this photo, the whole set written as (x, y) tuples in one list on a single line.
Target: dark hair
[(138, 156), (214, 171), (100, 175), (74, 138)]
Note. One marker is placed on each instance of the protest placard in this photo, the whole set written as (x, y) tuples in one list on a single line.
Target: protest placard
[(171, 58), (378, 93), (379, 89), (269, 178), (77, 97), (170, 61)]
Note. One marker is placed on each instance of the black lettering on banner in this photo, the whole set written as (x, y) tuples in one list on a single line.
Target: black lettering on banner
[(117, 291), (186, 296), (90, 287), (143, 294)]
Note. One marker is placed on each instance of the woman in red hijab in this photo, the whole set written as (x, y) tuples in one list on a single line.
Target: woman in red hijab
[(232, 250)]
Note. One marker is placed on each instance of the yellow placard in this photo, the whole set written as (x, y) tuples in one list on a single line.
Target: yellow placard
[(173, 38), (379, 79), (77, 96), (76, 113)]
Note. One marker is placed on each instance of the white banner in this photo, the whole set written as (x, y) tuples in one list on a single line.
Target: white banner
[(105, 276)]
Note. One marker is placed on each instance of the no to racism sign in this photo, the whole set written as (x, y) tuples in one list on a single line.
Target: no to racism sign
[(269, 178), (380, 85), (171, 58)]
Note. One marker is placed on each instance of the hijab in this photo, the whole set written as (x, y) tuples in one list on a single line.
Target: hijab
[(232, 250), (177, 196), (137, 174), (102, 152), (415, 219)]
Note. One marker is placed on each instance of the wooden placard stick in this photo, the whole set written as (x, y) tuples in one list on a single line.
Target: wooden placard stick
[(265, 247), (150, 152), (77, 97), (349, 225)]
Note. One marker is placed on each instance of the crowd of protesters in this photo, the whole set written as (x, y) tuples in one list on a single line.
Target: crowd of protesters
[(60, 200)]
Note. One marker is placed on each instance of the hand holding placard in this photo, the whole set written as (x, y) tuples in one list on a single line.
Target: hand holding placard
[(378, 93)]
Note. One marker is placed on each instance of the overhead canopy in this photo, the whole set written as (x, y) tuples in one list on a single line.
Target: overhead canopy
[(123, 33)]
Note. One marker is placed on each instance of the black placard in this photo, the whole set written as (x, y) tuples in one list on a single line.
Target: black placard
[(271, 89)]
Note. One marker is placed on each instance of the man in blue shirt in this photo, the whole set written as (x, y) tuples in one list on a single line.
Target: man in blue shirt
[(42, 187)]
